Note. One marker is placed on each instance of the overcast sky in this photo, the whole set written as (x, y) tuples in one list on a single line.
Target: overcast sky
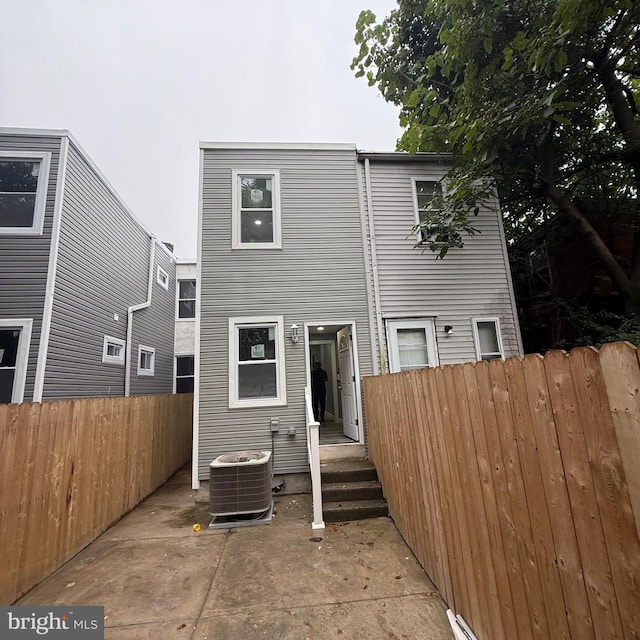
[(140, 83)]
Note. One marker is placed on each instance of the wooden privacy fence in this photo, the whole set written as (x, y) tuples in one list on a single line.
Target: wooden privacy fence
[(70, 469), (517, 485)]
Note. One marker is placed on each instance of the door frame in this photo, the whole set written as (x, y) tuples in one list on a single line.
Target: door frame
[(334, 381), (356, 368), (24, 325)]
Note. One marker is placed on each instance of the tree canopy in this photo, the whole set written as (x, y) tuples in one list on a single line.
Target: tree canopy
[(541, 96)]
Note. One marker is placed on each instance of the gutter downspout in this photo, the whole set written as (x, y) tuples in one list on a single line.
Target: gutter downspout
[(367, 270), (374, 268), (195, 450), (130, 311)]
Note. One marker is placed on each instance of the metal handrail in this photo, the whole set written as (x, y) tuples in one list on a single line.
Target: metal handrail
[(313, 451)]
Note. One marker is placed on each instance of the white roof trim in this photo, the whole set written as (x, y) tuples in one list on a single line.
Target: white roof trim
[(293, 146), (26, 131)]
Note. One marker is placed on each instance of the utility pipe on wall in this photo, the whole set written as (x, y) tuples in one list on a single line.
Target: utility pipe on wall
[(130, 312), (374, 268)]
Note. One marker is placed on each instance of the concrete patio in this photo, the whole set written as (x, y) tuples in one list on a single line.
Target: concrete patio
[(157, 578)]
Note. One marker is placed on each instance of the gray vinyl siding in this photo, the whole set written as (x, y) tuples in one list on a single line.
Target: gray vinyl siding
[(154, 327), (24, 260), (318, 275), (103, 265), (470, 282)]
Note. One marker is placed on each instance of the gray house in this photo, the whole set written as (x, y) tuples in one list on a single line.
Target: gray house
[(306, 255), (87, 294)]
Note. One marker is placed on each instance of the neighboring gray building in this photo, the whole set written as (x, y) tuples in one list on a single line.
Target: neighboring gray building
[(87, 294), (306, 254), (429, 311)]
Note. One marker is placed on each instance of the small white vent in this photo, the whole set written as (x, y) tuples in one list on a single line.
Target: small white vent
[(240, 483)]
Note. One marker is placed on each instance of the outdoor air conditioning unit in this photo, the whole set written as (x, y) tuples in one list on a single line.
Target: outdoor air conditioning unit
[(240, 483)]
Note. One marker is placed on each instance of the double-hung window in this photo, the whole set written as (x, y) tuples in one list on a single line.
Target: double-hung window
[(411, 344), (425, 192), (487, 338), (256, 210), (23, 190), (15, 338), (185, 374), (186, 299), (256, 362)]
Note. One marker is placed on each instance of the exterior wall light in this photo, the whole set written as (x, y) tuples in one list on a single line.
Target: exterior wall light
[(295, 335), (448, 329)]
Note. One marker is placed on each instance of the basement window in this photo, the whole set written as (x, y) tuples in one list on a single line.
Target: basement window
[(113, 350), (146, 361)]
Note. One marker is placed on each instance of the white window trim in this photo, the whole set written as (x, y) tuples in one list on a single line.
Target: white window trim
[(41, 191), (392, 325), (163, 278), (414, 193), (257, 321), (178, 299), (476, 336), (107, 359), (152, 351), (25, 325), (235, 209)]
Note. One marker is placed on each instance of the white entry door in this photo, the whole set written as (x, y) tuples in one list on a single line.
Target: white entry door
[(347, 379)]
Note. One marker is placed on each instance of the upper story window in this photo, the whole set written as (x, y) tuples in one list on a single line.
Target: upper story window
[(23, 190), (425, 192), (163, 278), (256, 210), (487, 338), (186, 299)]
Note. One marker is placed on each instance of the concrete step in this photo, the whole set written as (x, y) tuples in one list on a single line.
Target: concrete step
[(354, 510), (351, 491), (343, 471), (337, 491)]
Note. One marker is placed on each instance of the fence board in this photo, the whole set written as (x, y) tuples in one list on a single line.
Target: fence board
[(452, 494), (516, 483), (70, 469), (478, 387), (622, 382), (476, 527), (534, 491), (514, 478), (611, 489), (430, 488), (563, 553), (603, 606)]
